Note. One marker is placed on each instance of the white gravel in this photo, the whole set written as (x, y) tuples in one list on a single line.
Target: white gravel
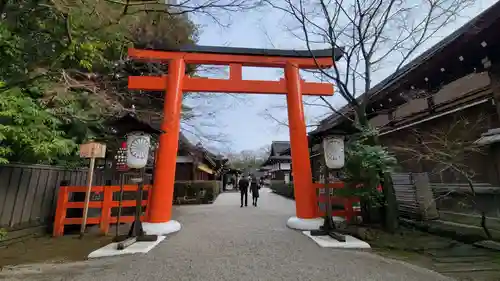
[(225, 242)]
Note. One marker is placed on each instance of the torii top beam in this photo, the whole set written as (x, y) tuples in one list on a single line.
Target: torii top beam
[(236, 58), (195, 54)]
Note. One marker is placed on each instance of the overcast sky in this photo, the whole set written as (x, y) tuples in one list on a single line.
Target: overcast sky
[(241, 117)]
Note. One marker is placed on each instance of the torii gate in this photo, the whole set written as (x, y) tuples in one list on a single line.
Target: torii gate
[(176, 82)]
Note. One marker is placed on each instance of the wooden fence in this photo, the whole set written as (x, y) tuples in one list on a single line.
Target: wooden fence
[(347, 210), (341, 206), (105, 206), (414, 196), (28, 192)]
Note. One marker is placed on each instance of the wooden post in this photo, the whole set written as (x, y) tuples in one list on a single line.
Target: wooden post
[(106, 209), (328, 203), (62, 200), (120, 202), (90, 176), (90, 150)]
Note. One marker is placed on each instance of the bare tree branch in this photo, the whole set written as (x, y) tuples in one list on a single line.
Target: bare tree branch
[(374, 35), (449, 151)]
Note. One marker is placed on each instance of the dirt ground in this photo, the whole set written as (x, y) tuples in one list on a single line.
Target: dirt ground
[(52, 250), (45, 249)]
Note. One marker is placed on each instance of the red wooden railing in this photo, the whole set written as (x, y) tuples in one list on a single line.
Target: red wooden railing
[(107, 202), (348, 213)]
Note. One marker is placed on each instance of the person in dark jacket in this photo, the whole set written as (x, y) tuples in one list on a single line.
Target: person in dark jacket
[(254, 189), (243, 187)]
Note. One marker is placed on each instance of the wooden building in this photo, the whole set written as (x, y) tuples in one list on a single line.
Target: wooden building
[(194, 162), (457, 79), (278, 165), (230, 177)]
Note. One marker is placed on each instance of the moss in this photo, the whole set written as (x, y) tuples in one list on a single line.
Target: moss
[(3, 234)]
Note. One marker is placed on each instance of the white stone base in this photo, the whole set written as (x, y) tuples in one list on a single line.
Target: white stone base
[(328, 242), (161, 228), (304, 224), (309, 224), (138, 247)]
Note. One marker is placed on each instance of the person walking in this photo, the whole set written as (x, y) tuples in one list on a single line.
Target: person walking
[(243, 187), (254, 189)]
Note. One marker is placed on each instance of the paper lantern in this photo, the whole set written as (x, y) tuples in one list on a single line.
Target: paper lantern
[(138, 145), (334, 152)]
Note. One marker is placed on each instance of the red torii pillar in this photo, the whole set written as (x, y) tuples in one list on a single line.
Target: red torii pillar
[(176, 82)]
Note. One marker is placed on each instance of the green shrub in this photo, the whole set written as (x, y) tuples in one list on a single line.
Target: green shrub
[(283, 189), (197, 192), (366, 164)]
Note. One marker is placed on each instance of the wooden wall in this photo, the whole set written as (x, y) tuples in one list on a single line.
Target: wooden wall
[(484, 164), (28, 192)]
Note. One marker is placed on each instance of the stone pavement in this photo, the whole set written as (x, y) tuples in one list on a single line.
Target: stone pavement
[(225, 242)]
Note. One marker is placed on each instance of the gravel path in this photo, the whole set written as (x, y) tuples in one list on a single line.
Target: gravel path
[(225, 242)]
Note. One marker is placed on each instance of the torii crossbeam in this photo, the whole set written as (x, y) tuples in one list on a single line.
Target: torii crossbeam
[(176, 82)]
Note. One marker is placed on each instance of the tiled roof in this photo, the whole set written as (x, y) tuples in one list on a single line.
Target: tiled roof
[(277, 147)]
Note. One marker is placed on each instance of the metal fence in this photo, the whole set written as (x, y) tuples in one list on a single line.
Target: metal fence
[(28, 192)]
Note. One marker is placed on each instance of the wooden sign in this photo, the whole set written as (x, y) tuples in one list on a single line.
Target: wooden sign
[(92, 150)]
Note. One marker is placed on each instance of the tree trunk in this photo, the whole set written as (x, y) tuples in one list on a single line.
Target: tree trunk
[(365, 211), (484, 226), (391, 222), (483, 213), (369, 214)]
